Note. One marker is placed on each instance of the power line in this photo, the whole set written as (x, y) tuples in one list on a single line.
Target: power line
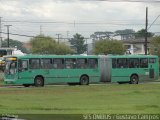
[(117, 22), (60, 37), (153, 22), (19, 34), (142, 1)]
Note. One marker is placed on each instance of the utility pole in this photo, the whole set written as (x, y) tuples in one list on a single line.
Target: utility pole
[(0, 31), (58, 37), (8, 34), (146, 31), (87, 46)]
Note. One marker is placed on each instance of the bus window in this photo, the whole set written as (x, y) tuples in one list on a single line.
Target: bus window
[(122, 63), (152, 60), (92, 63), (34, 63), (58, 63), (144, 63), (3, 52), (81, 63), (46, 63), (70, 63), (114, 63), (23, 65), (13, 68), (133, 62)]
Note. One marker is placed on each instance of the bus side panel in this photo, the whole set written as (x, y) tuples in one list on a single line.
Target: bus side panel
[(124, 74)]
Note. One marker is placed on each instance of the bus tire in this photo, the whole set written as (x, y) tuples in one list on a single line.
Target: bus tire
[(26, 85), (134, 79), (39, 81), (84, 80)]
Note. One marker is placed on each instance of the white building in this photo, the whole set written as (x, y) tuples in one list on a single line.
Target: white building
[(135, 46)]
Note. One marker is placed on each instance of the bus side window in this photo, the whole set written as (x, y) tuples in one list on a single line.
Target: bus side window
[(122, 63), (58, 63), (92, 63), (82, 63), (46, 63), (114, 63), (152, 60), (133, 62), (144, 63), (23, 65), (34, 63), (70, 63)]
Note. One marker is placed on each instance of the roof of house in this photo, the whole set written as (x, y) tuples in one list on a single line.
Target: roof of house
[(134, 41)]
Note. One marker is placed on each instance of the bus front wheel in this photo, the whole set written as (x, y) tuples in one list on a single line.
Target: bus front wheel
[(134, 79), (39, 82), (84, 80)]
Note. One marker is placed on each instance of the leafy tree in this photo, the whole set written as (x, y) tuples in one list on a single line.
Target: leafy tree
[(155, 46), (14, 43), (125, 34), (108, 47), (101, 35), (78, 43), (141, 34), (47, 45)]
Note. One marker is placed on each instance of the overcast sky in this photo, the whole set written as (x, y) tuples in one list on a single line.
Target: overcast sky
[(67, 17)]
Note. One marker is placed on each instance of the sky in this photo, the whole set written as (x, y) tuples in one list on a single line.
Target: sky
[(68, 17)]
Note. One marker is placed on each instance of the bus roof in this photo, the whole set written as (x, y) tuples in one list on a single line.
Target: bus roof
[(55, 56), (132, 56), (82, 56)]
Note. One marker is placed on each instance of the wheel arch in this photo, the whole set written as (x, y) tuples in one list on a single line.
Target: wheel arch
[(85, 75), (135, 75)]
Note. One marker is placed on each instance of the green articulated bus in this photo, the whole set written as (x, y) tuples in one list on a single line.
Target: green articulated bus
[(39, 70)]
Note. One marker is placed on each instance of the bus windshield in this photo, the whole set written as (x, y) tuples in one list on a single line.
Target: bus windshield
[(11, 67)]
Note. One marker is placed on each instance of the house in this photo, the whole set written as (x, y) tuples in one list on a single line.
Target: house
[(135, 46)]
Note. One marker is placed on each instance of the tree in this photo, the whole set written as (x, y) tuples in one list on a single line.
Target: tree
[(141, 34), (101, 35), (78, 43), (155, 46), (108, 47), (47, 45), (14, 43), (125, 34)]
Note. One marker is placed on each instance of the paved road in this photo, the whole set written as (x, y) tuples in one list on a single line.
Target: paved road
[(20, 86)]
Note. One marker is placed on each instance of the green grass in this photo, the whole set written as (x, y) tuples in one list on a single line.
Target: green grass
[(111, 98)]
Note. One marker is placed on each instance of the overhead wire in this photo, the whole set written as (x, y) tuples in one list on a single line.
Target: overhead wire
[(142, 1)]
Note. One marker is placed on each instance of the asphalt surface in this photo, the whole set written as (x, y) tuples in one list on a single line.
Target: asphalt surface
[(54, 85)]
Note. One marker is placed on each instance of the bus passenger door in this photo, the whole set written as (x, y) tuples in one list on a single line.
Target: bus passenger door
[(151, 72), (152, 68), (24, 74)]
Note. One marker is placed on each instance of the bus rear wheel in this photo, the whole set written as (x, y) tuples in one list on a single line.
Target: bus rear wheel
[(39, 82), (134, 79), (84, 80)]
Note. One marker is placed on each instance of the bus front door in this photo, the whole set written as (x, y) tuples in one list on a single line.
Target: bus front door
[(24, 74)]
